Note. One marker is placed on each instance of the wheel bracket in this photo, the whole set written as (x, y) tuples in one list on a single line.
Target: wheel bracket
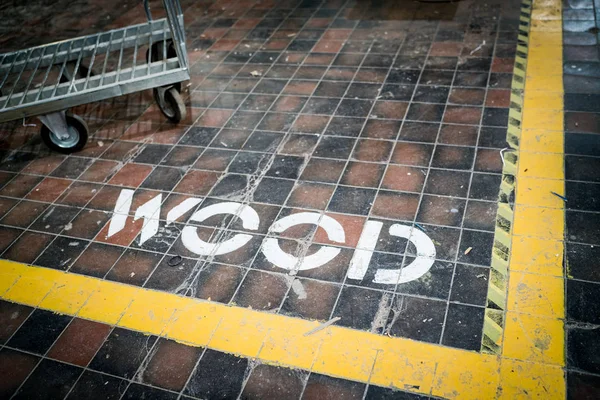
[(57, 123)]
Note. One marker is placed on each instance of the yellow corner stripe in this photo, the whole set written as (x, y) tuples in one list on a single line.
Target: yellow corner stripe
[(534, 339), (277, 339)]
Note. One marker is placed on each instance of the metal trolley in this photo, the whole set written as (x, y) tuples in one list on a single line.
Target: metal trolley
[(46, 80)]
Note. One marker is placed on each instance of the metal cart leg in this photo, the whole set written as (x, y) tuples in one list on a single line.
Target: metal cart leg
[(63, 132), (168, 98)]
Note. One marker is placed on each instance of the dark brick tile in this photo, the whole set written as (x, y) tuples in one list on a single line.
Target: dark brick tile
[(61, 253), (582, 386), (15, 367), (381, 393), (481, 247), (162, 178), (320, 387), (416, 318), (55, 219), (39, 331), (96, 386), (50, 379), (262, 291), (122, 353), (470, 285), (448, 183), (170, 365), (218, 375), (463, 327), (581, 301), (440, 210), (71, 167), (136, 391), (310, 299), (267, 381), (97, 260), (12, 315)]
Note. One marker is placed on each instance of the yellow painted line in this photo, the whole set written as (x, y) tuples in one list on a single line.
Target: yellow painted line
[(276, 339), (531, 362)]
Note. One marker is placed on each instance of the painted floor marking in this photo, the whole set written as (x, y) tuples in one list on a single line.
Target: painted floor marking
[(532, 359), (424, 256)]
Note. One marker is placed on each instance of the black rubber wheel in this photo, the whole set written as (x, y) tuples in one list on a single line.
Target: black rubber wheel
[(75, 139), (170, 103)]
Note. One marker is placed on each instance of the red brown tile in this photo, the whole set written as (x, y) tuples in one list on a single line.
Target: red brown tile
[(503, 64), (79, 194), (214, 118), (310, 124), (463, 115), (123, 238), (462, 135), (28, 247), (197, 183), (409, 179), (472, 97), (12, 315), (446, 49), (20, 185), (498, 98), (316, 304), (402, 206), (88, 223), (79, 342), (49, 189), (171, 365), (362, 174), (353, 226), (131, 175), (337, 34), (121, 151), (15, 367), (100, 171), (441, 210), (328, 46), (390, 109), (488, 160), (96, 260), (134, 267), (7, 236), (24, 213), (412, 154), (6, 205), (311, 195), (381, 129), (322, 170), (44, 165), (302, 88), (372, 150)]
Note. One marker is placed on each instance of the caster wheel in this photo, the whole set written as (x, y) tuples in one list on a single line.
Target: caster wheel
[(170, 103), (68, 142)]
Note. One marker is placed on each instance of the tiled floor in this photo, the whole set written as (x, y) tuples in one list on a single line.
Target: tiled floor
[(582, 172), (62, 357), (393, 113)]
